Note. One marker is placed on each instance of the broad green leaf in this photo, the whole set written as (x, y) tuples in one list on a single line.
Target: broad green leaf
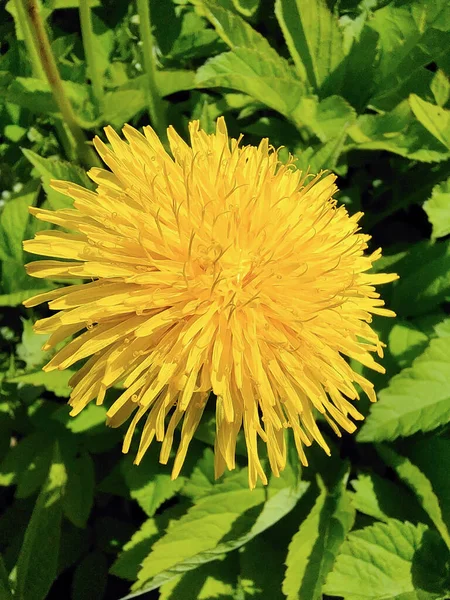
[(90, 577), (434, 118), (13, 225), (20, 458), (397, 131), (406, 342), (438, 209), (314, 547), (38, 558), (246, 7), (90, 420), (440, 86), (53, 381), (50, 169), (425, 276), (30, 349), (327, 119), (36, 471), (150, 483), (313, 37), (411, 35), (417, 399), (79, 492), (212, 580), (382, 499), (392, 560), (228, 517), (420, 485)]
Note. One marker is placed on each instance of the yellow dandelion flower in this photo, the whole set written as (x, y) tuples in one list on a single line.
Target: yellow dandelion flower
[(217, 269)]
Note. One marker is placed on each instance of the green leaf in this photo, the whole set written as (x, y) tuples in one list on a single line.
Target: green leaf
[(20, 458), (253, 66), (53, 381), (228, 517), (406, 342), (90, 577), (38, 558), (440, 86), (50, 169), (90, 420), (438, 209), (420, 485), (150, 484), (327, 119), (16, 298), (392, 560), (425, 276), (213, 580), (79, 493), (411, 36), (30, 349), (13, 225), (314, 547), (434, 118), (313, 37), (397, 131), (382, 499), (417, 399)]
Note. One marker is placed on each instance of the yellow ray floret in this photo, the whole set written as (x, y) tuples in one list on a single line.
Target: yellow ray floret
[(213, 269)]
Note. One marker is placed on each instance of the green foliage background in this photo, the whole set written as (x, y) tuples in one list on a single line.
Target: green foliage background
[(358, 87)]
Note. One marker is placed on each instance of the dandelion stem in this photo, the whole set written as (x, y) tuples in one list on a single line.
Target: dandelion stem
[(155, 104), (43, 49), (88, 36)]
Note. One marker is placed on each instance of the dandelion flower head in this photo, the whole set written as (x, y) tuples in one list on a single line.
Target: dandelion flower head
[(215, 268)]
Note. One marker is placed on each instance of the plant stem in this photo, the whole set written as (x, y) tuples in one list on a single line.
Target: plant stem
[(43, 49), (88, 36), (155, 104), (36, 66)]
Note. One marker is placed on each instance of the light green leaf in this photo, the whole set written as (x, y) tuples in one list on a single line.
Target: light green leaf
[(90, 420), (406, 342), (440, 86), (150, 484), (13, 225), (393, 560), (417, 399), (434, 118), (228, 517), (314, 547), (425, 276), (438, 209), (30, 348), (90, 577), (50, 169), (420, 485), (313, 37), (212, 580), (38, 558), (382, 499), (79, 493), (327, 119), (53, 381), (411, 35), (397, 131)]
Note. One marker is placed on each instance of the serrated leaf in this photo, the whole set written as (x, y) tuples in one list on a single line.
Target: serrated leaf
[(438, 209), (382, 499), (38, 558), (411, 36), (150, 484), (313, 37), (397, 131), (228, 518), (53, 381), (50, 169), (392, 560), (213, 580), (420, 485), (417, 399), (440, 86), (434, 118), (328, 119), (90, 577), (314, 547), (79, 492)]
